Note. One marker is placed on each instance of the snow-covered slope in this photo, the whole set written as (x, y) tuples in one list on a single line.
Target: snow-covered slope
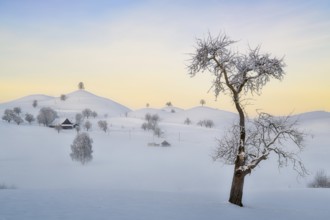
[(75, 102)]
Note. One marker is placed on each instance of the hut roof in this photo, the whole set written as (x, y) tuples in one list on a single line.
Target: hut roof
[(165, 144), (67, 122)]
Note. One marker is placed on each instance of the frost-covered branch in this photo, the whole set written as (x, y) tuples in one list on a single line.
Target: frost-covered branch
[(265, 135)]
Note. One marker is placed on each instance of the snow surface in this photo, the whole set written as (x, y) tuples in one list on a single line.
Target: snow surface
[(127, 179)]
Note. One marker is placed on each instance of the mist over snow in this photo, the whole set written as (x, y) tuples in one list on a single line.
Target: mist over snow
[(127, 179)]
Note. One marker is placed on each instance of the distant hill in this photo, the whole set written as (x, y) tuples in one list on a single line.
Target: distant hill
[(75, 102)]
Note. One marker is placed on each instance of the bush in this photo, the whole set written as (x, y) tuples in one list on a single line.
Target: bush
[(321, 180), (82, 148), (206, 123)]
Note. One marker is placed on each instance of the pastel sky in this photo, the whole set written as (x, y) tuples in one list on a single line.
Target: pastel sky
[(136, 52)]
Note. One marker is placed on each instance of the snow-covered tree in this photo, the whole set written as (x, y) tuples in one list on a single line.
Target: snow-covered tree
[(17, 119), (94, 114), (237, 74), (17, 110), (82, 148), (88, 125), (103, 125), (87, 113), (81, 85), (46, 116), (79, 118), (8, 115), (29, 118)]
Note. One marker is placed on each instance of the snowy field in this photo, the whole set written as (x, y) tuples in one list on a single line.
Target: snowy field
[(127, 179)]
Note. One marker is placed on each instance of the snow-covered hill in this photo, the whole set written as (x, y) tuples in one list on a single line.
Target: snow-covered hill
[(75, 102)]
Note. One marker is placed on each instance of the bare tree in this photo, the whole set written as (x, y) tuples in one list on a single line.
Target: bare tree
[(82, 148), (29, 118), (46, 116), (237, 74), (202, 102), (81, 85), (321, 180), (35, 103), (103, 125), (87, 125)]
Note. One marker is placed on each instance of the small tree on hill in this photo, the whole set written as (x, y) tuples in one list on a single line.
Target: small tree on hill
[(81, 85), (82, 148), (169, 104), (35, 103), (236, 75), (63, 97), (202, 102)]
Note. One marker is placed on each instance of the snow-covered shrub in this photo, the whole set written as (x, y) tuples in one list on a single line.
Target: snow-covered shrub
[(82, 148), (29, 118), (187, 121), (206, 123), (321, 180), (103, 125), (46, 116)]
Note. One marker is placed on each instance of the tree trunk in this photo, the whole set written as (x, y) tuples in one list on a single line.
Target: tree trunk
[(236, 192)]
